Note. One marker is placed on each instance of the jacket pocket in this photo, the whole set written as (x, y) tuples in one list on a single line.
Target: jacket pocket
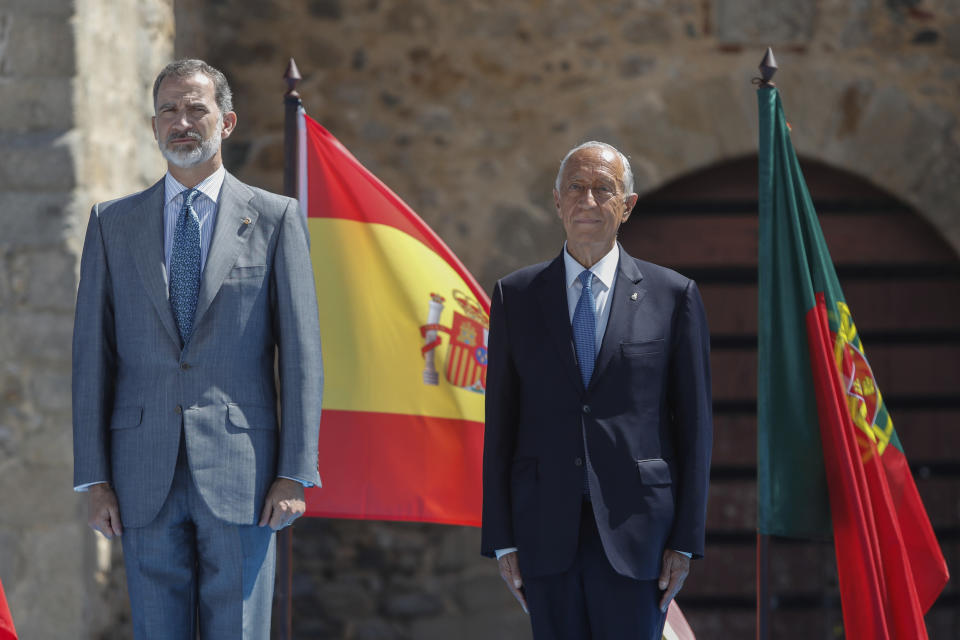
[(644, 348), (252, 417), (126, 418), (654, 472), (255, 271)]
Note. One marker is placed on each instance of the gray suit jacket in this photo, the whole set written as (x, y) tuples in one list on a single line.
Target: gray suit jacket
[(135, 384)]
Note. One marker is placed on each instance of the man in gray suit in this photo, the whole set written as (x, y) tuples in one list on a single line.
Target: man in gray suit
[(190, 293)]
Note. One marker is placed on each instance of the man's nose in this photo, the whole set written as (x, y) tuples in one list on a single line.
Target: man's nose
[(589, 199), (182, 120)]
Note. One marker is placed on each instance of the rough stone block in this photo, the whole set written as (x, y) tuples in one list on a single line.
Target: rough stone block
[(45, 280), (764, 21), (34, 104), (37, 337), (48, 600), (31, 219), (36, 161), (42, 494), (37, 45), (511, 624)]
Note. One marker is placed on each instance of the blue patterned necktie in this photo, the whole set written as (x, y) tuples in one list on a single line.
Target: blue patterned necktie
[(185, 266), (585, 327)]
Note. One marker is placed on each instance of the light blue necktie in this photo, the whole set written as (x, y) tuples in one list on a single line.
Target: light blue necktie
[(185, 266), (585, 327)]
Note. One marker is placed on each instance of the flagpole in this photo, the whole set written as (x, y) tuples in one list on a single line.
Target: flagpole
[(283, 605), (768, 67)]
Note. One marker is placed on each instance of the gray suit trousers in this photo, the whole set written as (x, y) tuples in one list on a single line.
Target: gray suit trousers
[(186, 568)]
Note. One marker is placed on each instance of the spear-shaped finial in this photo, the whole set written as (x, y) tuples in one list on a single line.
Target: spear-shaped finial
[(768, 67), (292, 76)]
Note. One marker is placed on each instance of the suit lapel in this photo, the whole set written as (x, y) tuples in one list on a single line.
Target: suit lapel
[(622, 306), (235, 220), (552, 296), (146, 220)]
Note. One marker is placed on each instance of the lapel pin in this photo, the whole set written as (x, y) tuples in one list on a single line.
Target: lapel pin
[(633, 296), (246, 221)]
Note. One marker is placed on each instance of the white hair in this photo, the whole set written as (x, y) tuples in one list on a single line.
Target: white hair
[(593, 144)]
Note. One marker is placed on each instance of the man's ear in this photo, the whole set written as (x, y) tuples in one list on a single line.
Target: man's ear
[(629, 202), (229, 124), (153, 125), (556, 200)]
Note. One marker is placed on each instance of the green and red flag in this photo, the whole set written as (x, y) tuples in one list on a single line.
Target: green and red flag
[(829, 461), (402, 430)]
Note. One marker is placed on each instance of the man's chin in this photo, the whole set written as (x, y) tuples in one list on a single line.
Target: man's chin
[(185, 160)]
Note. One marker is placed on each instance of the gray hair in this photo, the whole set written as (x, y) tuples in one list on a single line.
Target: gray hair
[(186, 68), (593, 144)]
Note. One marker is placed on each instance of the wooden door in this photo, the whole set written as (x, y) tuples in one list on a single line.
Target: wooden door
[(902, 282)]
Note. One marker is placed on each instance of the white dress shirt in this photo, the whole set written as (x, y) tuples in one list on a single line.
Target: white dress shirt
[(604, 273), (204, 204)]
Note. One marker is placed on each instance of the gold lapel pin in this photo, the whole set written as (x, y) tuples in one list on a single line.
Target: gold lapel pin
[(246, 221), (633, 296)]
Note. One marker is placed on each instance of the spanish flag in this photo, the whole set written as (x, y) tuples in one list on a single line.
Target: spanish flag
[(404, 328), (829, 459)]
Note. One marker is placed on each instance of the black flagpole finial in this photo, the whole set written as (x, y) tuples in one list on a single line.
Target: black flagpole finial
[(292, 76), (768, 67)]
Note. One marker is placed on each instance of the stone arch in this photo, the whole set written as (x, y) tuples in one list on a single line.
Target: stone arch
[(883, 131)]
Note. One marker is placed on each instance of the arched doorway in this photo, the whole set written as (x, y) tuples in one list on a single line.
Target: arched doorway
[(902, 282)]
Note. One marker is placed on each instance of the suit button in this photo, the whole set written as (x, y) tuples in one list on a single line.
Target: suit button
[(178, 409), (184, 365), (578, 462), (586, 408)]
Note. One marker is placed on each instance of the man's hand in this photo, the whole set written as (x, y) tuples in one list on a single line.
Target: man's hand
[(103, 511), (510, 572), (283, 505), (676, 566)]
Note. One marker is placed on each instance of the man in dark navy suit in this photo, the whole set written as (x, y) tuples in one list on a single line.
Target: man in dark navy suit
[(598, 421)]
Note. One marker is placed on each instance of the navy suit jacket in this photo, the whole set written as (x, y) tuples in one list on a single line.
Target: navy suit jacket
[(643, 426)]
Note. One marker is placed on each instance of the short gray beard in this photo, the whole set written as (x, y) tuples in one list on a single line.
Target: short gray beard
[(199, 154)]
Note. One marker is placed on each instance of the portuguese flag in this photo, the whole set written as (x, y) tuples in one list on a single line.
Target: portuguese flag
[(829, 460), (404, 330)]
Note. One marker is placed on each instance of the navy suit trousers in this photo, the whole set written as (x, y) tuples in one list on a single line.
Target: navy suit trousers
[(591, 601)]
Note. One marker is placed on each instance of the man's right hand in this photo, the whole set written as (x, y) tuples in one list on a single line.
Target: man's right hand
[(510, 572), (103, 510)]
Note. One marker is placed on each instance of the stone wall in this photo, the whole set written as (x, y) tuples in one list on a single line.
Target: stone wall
[(465, 107), (74, 128)]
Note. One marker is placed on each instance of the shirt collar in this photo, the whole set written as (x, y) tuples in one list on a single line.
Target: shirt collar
[(209, 186), (605, 269)]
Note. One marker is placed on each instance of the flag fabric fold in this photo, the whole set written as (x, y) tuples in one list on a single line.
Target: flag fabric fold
[(404, 329), (7, 631), (829, 461)]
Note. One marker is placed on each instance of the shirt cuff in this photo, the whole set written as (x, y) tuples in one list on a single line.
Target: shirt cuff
[(306, 485), (502, 552), (686, 553), (84, 487)]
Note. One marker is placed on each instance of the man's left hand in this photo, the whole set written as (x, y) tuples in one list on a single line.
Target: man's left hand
[(676, 566), (283, 505)]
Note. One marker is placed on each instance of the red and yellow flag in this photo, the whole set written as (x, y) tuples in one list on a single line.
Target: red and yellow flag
[(404, 329), (7, 632)]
